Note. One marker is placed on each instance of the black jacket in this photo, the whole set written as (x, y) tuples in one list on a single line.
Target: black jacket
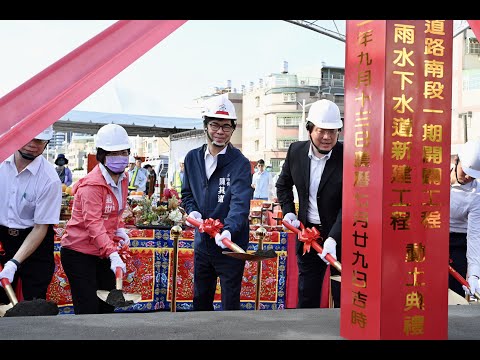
[(296, 171)]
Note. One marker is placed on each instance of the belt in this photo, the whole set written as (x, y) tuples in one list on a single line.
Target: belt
[(15, 232)]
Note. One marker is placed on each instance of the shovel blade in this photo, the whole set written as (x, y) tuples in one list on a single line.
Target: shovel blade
[(129, 298), (4, 309), (247, 256), (455, 299)]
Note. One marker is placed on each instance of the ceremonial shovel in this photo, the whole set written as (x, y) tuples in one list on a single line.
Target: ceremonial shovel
[(116, 297), (461, 280), (237, 252), (37, 307), (335, 263)]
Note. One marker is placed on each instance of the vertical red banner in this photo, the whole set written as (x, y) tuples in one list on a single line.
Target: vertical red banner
[(396, 179)]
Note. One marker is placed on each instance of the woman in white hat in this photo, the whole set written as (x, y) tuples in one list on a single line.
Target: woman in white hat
[(464, 244)]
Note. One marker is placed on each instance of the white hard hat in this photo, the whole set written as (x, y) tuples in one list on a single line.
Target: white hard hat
[(219, 107), (325, 114), (46, 134), (112, 137), (131, 160), (469, 155)]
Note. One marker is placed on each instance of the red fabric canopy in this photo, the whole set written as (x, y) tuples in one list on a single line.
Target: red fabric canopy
[(49, 95)]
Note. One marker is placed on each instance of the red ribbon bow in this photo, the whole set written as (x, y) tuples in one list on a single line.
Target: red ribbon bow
[(307, 236), (123, 250), (2, 250), (211, 227)]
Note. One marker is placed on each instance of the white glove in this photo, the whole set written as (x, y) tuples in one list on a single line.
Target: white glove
[(196, 215), (291, 218), (8, 271), (473, 282), (122, 233), (116, 261), (224, 235), (329, 247)]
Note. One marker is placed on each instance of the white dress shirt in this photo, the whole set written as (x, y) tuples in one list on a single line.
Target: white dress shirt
[(317, 165), (33, 196), (211, 161)]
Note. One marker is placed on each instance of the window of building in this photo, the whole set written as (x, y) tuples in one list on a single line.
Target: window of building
[(257, 123), (276, 164), (471, 80), (288, 120), (339, 99), (473, 46), (257, 101), (289, 97), (283, 144), (257, 145)]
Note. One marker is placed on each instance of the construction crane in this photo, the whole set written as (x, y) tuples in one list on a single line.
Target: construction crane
[(310, 24)]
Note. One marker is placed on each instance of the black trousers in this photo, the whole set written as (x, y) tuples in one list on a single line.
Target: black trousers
[(36, 271), (206, 270), (87, 274), (311, 272), (458, 255)]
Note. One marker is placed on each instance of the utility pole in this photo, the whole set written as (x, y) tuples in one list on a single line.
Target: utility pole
[(302, 131)]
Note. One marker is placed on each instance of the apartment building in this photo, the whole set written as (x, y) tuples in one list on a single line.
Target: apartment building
[(465, 88), (274, 110)]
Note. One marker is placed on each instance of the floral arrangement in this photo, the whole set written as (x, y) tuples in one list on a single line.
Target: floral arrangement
[(170, 194), (164, 214)]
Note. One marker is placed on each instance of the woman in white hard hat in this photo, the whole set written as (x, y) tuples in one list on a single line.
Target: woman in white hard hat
[(315, 168), (465, 217), (30, 203), (89, 252), (217, 185)]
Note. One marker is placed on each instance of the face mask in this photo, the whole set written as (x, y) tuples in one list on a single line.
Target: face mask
[(116, 164), (60, 162)]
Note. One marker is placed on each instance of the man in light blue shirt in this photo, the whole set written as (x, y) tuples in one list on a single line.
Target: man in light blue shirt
[(261, 182)]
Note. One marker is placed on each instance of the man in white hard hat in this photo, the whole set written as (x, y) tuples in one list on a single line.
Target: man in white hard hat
[(30, 203), (217, 186), (315, 168), (464, 244), (95, 234)]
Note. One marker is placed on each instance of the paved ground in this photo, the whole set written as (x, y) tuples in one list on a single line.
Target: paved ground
[(292, 324)]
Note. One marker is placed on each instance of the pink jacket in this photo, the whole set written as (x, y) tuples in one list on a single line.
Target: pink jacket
[(95, 216)]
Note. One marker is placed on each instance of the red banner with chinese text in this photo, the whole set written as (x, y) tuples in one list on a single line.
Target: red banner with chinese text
[(396, 179)]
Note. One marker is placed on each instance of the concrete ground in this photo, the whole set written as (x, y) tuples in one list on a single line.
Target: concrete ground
[(292, 324)]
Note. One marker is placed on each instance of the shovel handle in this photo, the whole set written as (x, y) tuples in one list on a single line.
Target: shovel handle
[(232, 246), (8, 289), (119, 278), (228, 243), (335, 263), (461, 280)]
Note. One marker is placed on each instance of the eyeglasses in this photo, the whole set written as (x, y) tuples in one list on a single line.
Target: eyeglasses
[(226, 128), (323, 132)]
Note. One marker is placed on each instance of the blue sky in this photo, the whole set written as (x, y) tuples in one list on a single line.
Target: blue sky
[(198, 56)]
